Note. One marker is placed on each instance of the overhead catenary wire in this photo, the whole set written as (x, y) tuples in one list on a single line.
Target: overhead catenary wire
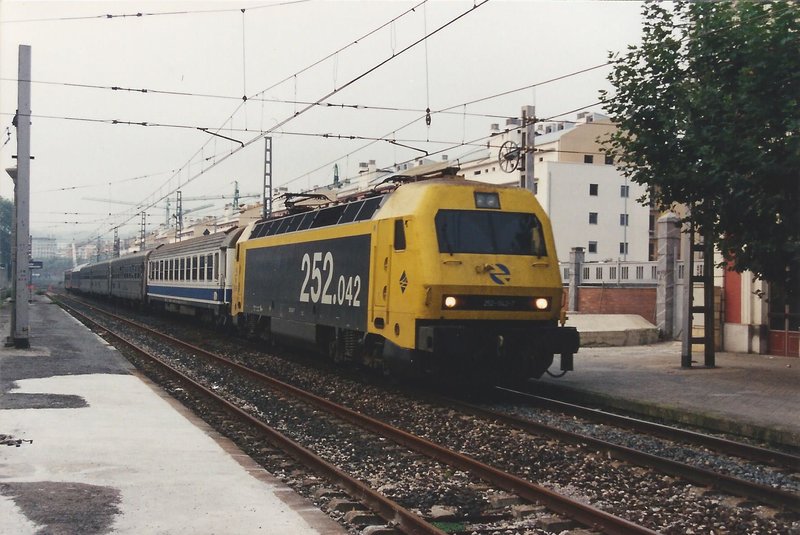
[(448, 110), (480, 141), (242, 102), (338, 89), (152, 14), (342, 105), (305, 109)]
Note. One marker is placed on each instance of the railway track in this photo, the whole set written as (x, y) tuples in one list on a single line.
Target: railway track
[(730, 447), (520, 478), (394, 513), (736, 486)]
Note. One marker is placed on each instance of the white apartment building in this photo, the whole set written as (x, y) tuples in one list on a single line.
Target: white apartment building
[(590, 203)]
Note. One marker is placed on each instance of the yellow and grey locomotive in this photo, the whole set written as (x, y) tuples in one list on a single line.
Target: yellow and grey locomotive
[(436, 276)]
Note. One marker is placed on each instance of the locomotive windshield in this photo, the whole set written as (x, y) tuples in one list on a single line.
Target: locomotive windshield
[(489, 232)]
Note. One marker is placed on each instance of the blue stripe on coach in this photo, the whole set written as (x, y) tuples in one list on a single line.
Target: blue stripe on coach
[(183, 292)]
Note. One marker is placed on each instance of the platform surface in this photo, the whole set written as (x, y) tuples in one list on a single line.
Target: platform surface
[(112, 453), (755, 395)]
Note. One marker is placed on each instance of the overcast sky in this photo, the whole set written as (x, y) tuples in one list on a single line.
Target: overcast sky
[(212, 54)]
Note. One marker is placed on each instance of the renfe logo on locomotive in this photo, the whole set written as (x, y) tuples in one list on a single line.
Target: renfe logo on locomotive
[(500, 274)]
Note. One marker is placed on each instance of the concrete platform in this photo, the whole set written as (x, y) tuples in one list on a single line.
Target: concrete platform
[(603, 330), (112, 453), (745, 394)]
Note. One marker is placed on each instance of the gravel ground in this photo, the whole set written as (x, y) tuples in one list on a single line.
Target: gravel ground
[(654, 500)]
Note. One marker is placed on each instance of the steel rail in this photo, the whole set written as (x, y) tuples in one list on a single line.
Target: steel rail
[(392, 512), (583, 514), (738, 449), (739, 487)]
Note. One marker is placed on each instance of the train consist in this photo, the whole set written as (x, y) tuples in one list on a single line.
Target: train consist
[(442, 276)]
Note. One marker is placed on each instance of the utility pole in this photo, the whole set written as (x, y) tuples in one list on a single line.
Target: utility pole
[(528, 147), (266, 196), (20, 321), (178, 215), (116, 243), (143, 231)]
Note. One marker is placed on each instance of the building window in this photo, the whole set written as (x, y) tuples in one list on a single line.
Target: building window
[(609, 160), (592, 218), (623, 247), (541, 158), (588, 158), (592, 246), (624, 191), (593, 190), (477, 172), (623, 220)]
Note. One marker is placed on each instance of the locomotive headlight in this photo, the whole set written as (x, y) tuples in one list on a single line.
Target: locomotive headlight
[(541, 303), (450, 301)]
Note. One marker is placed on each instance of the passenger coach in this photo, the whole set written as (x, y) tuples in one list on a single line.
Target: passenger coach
[(194, 276)]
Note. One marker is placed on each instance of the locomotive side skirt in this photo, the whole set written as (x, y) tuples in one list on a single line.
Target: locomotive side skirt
[(323, 282)]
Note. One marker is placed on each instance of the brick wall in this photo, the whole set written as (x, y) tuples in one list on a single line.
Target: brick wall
[(608, 300)]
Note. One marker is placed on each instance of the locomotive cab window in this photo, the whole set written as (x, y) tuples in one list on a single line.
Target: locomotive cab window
[(399, 235), (485, 232)]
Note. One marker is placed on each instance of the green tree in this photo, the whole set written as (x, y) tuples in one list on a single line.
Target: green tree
[(709, 112)]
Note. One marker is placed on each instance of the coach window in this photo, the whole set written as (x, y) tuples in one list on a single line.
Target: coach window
[(399, 235), (216, 266), (202, 267), (169, 269), (209, 265)]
